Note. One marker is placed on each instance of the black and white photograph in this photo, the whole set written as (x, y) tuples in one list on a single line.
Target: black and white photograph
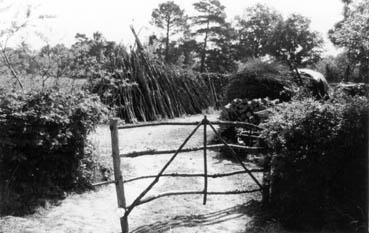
[(184, 116)]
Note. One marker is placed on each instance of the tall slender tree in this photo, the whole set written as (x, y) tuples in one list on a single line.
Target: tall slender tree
[(210, 22), (352, 33), (170, 17)]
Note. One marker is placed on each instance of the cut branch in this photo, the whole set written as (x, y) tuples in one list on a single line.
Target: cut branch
[(175, 193), (11, 68), (216, 175), (214, 146), (156, 124)]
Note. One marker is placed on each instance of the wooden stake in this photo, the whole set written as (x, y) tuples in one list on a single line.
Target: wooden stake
[(116, 163), (266, 181), (119, 186), (205, 121), (124, 224)]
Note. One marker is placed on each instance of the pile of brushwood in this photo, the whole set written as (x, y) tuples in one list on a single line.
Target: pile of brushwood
[(245, 110), (143, 89)]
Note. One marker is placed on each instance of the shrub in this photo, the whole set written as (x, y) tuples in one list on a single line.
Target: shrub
[(320, 162), (43, 146)]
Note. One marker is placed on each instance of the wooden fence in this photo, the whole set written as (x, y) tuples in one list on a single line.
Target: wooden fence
[(120, 181)]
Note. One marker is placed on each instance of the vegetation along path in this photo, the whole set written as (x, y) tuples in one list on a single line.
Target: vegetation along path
[(97, 211)]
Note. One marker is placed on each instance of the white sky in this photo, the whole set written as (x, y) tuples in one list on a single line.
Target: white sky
[(113, 17)]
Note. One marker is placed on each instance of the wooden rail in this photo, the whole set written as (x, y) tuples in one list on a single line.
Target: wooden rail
[(176, 193), (118, 177), (232, 123), (216, 175), (214, 146)]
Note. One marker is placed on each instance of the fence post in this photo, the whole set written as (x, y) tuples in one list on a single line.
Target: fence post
[(266, 181), (205, 122), (119, 186)]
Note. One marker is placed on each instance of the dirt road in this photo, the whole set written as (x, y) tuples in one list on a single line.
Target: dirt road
[(97, 211)]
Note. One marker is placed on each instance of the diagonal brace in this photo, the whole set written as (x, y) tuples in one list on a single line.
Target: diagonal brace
[(235, 156), (137, 200)]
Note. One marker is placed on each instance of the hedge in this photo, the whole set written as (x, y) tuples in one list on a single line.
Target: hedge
[(43, 146), (320, 163)]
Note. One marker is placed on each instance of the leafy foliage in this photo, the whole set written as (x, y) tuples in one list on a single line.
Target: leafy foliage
[(43, 144), (319, 163), (255, 28), (294, 43), (352, 33), (263, 31)]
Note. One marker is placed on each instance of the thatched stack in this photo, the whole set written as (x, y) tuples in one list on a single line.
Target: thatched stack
[(143, 89), (260, 80)]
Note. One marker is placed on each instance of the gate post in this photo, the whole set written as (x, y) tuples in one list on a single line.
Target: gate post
[(266, 181), (117, 172), (205, 122)]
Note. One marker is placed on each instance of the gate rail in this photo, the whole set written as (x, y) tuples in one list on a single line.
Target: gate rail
[(119, 181)]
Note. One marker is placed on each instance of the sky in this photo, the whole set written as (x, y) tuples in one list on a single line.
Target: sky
[(113, 17)]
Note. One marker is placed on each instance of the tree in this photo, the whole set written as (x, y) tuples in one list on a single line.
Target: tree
[(352, 33), (294, 43), (170, 17), (210, 23), (221, 57), (9, 30), (17, 18), (255, 28), (53, 62)]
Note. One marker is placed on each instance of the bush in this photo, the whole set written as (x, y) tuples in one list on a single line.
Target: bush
[(43, 146), (320, 163)]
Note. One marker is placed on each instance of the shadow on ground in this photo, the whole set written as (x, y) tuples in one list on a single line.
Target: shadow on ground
[(250, 209)]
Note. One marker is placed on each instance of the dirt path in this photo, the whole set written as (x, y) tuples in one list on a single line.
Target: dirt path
[(97, 211)]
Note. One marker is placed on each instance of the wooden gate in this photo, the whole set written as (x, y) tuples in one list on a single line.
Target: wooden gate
[(120, 181)]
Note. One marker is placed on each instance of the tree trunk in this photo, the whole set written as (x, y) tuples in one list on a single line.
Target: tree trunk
[(347, 74), (10, 67), (167, 42), (203, 55), (364, 70)]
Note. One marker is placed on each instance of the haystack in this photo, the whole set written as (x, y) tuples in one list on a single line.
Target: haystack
[(260, 80)]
